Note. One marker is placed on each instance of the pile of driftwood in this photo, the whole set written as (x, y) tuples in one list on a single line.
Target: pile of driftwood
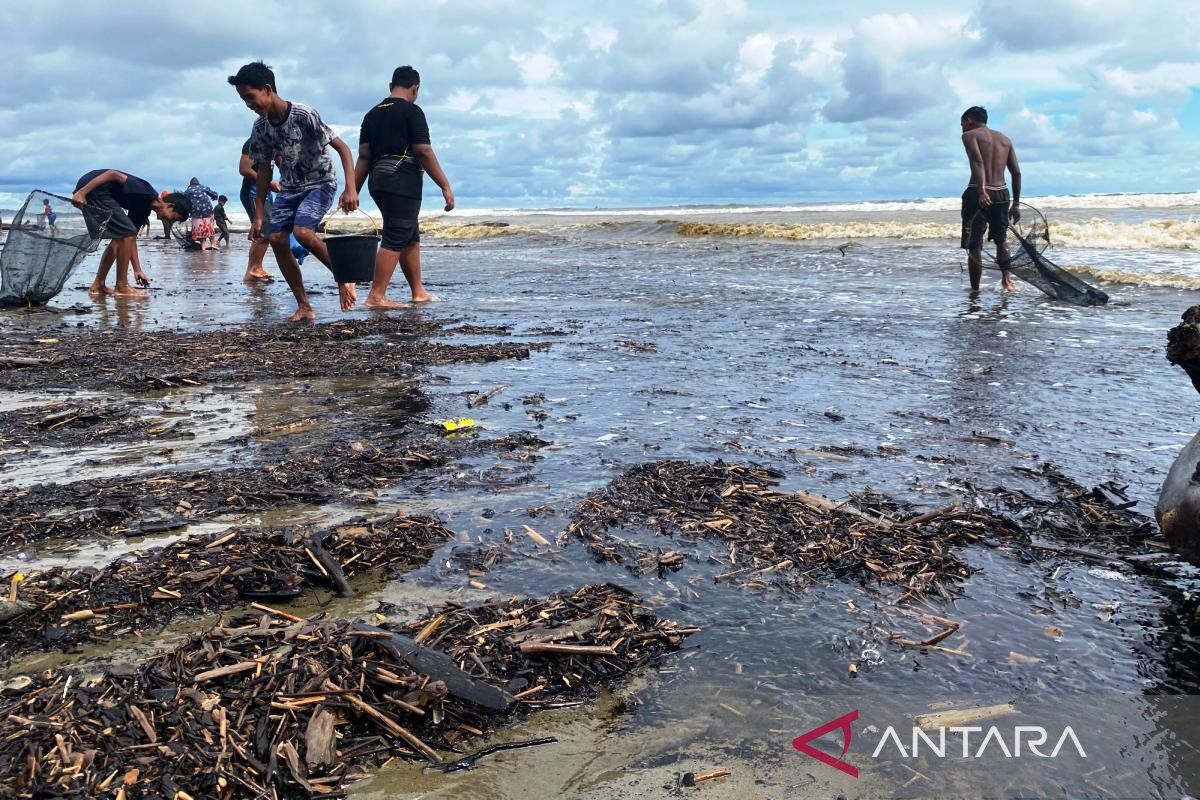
[(1101, 515), (285, 707), (148, 360), (124, 506), (73, 422), (790, 538), (144, 591)]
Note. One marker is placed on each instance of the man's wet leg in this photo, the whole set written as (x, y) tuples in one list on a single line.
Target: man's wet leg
[(385, 266), (410, 262), (125, 249), (291, 273), (254, 264), (316, 245), (1005, 259), (975, 266), (106, 261)]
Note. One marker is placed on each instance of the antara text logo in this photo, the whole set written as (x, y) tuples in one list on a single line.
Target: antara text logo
[(955, 741)]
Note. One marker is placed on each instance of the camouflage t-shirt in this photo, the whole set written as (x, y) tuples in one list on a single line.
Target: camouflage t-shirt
[(297, 145)]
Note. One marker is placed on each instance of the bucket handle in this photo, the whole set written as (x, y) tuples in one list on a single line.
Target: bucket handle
[(374, 223)]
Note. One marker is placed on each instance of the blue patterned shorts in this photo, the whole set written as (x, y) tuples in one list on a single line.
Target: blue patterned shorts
[(303, 209)]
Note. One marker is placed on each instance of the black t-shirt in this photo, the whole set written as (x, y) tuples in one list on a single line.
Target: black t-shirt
[(134, 196), (247, 183), (392, 127)]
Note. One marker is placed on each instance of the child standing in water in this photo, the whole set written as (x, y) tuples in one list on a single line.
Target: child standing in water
[(221, 219), (293, 136)]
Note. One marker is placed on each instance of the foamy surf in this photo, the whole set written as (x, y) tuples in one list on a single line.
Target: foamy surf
[(1162, 280), (1166, 234)]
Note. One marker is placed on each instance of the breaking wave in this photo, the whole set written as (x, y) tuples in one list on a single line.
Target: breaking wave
[(446, 230), (1162, 280), (821, 230), (1166, 234)]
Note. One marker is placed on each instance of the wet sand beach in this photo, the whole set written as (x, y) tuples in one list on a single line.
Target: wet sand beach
[(745, 337)]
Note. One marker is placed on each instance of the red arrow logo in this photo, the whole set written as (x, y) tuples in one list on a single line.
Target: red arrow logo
[(842, 723)]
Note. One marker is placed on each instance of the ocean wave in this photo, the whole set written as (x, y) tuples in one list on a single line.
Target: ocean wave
[(1159, 234), (1162, 280), (1066, 201), (1165, 234), (822, 230), (446, 230)]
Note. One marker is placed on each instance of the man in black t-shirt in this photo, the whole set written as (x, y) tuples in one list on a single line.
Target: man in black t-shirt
[(125, 201), (394, 150)]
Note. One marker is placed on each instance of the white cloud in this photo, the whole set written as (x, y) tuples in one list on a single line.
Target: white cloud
[(697, 100)]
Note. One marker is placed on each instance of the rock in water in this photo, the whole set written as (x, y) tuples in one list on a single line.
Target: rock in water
[(1178, 509), (11, 609)]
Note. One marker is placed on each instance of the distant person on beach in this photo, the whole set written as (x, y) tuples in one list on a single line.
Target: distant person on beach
[(258, 244), (985, 203), (128, 201), (394, 151), (221, 219), (167, 224), (204, 230), (51, 217), (295, 135)]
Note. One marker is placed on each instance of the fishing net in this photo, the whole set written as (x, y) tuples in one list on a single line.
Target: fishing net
[(1029, 239), (182, 233), (42, 248)]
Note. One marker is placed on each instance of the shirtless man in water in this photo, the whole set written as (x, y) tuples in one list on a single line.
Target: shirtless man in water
[(985, 203)]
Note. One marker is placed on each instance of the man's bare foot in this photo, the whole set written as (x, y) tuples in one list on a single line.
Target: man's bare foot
[(129, 291), (1008, 285), (382, 302), (257, 275), (303, 314), (424, 297), (97, 290), (348, 295)]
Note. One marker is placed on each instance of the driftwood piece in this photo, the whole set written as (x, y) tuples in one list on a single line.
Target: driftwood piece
[(327, 563), (320, 744), (963, 716), (483, 397), (438, 666)]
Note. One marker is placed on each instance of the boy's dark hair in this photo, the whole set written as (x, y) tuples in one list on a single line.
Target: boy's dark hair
[(222, 198), (179, 201), (976, 113), (256, 75), (405, 76)]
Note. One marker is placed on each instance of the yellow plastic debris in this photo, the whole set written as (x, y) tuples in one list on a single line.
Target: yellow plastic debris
[(451, 425)]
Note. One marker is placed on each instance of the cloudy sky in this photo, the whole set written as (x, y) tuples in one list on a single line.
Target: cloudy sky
[(624, 103)]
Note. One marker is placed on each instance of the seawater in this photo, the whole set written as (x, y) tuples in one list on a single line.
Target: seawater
[(698, 344)]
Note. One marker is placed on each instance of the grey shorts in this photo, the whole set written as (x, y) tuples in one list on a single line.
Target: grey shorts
[(103, 205)]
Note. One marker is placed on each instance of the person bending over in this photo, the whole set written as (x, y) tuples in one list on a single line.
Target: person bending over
[(127, 201)]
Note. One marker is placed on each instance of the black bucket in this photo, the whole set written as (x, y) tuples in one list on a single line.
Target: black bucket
[(353, 257)]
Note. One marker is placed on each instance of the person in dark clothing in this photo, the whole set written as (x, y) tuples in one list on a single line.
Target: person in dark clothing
[(259, 245), (394, 154), (221, 219), (126, 201)]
